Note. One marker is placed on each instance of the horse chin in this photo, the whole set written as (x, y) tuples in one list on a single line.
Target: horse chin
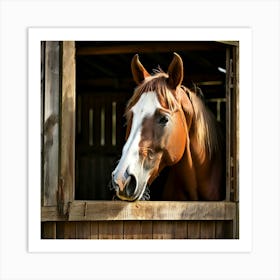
[(142, 193)]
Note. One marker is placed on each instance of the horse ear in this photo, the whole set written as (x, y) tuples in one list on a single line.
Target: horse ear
[(175, 72), (139, 73)]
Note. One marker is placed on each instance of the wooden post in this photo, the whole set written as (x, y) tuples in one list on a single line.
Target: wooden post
[(68, 102), (50, 125)]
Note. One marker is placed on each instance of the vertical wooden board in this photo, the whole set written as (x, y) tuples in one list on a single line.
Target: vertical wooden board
[(105, 230), (228, 231), (146, 228), (117, 229), (83, 230), (207, 229), (163, 230), (50, 123), (132, 230), (68, 111), (108, 124), (219, 229), (85, 107), (180, 229), (228, 123), (236, 118), (69, 230), (236, 222), (60, 230), (48, 230), (94, 230), (193, 230)]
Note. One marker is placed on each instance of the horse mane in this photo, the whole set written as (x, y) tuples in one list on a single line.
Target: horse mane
[(204, 123), (156, 83)]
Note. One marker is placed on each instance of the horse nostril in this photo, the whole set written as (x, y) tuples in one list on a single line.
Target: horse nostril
[(114, 184), (130, 185)]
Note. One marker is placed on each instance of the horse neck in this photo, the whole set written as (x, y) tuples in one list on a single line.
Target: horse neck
[(183, 176)]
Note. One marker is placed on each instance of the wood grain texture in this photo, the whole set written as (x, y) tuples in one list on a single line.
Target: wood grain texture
[(68, 119), (51, 123), (151, 210), (138, 230)]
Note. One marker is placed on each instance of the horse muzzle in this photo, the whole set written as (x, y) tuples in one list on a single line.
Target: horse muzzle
[(126, 187)]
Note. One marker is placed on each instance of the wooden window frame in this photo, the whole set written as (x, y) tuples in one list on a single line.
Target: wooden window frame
[(58, 196)]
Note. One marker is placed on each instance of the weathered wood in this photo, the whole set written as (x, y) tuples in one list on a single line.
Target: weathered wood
[(147, 47), (48, 230), (193, 230), (50, 123), (207, 229), (163, 230), (94, 231), (69, 230), (117, 229), (146, 228), (180, 229), (138, 230), (50, 213), (68, 112), (228, 122), (150, 210), (132, 230), (219, 229), (83, 230), (236, 121), (105, 230)]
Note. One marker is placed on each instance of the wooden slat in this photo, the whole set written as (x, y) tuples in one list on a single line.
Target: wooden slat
[(48, 230), (50, 124), (117, 229), (60, 230), (83, 230), (94, 230), (150, 210), (193, 230), (148, 47), (228, 123), (105, 230), (207, 229), (236, 119), (68, 119), (146, 229), (69, 230), (132, 230), (50, 213), (219, 229), (180, 229), (163, 230)]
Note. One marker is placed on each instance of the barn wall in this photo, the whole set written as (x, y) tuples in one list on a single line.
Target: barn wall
[(138, 230)]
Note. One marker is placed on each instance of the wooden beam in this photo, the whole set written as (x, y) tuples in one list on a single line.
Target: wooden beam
[(143, 210), (146, 47), (68, 109), (50, 124)]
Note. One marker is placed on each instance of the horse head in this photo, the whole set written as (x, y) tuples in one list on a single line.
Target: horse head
[(159, 117)]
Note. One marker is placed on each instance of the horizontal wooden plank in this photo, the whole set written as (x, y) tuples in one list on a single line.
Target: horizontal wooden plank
[(50, 213), (150, 210), (143, 47)]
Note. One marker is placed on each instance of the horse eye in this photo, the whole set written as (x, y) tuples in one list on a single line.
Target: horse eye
[(163, 120)]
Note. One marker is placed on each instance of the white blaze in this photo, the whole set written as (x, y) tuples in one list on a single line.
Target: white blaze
[(145, 107)]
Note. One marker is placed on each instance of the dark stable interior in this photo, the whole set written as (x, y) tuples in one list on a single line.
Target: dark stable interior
[(104, 84)]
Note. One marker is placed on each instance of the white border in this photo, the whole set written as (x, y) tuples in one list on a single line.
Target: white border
[(243, 35)]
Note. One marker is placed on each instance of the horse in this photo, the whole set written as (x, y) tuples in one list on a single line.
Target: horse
[(169, 131)]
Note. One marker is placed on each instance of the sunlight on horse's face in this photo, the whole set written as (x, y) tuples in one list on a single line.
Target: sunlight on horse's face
[(156, 138)]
